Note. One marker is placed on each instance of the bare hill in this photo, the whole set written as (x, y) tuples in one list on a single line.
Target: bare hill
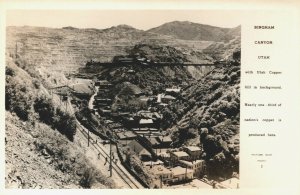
[(193, 31)]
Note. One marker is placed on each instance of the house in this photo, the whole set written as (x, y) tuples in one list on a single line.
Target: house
[(194, 152), (173, 90), (139, 150), (165, 141), (198, 166), (164, 155), (129, 121), (104, 112), (103, 84), (151, 142), (126, 135), (179, 155), (145, 123), (149, 115), (103, 100), (181, 174), (124, 60), (159, 98), (153, 163), (161, 172), (167, 99)]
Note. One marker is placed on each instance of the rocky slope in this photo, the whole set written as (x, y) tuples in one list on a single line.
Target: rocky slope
[(39, 147)]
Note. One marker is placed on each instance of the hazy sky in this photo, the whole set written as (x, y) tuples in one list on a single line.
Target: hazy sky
[(141, 19)]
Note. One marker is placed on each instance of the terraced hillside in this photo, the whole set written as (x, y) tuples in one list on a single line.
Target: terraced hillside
[(66, 49)]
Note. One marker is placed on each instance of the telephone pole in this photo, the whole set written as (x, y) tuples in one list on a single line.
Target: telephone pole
[(88, 137), (16, 50), (110, 165), (110, 152)]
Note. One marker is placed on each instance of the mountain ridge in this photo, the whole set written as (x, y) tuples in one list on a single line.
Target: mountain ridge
[(193, 31)]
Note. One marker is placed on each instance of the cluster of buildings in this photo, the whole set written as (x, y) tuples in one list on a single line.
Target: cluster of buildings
[(140, 134)]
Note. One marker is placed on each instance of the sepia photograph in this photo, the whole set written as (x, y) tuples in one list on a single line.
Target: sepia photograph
[(122, 99)]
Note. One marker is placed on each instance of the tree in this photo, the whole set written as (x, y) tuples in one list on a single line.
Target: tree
[(65, 123), (44, 107)]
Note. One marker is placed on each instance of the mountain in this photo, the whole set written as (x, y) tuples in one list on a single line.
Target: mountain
[(194, 31), (67, 49)]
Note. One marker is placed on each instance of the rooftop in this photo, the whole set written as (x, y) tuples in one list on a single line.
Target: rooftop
[(191, 163), (173, 90), (159, 169), (149, 163), (193, 148), (232, 183), (138, 148), (164, 139), (180, 154), (153, 141), (168, 97), (126, 135), (146, 121), (180, 170)]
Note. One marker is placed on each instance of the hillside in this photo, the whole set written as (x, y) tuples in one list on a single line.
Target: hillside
[(193, 31), (149, 79), (224, 51), (209, 115), (67, 49), (40, 146)]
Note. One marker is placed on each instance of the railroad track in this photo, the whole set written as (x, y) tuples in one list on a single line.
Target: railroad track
[(103, 153)]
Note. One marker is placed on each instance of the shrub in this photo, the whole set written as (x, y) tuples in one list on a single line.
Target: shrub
[(44, 107), (18, 97), (65, 123), (88, 178), (62, 121)]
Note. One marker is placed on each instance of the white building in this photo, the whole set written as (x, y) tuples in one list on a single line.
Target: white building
[(162, 173), (179, 155), (198, 166)]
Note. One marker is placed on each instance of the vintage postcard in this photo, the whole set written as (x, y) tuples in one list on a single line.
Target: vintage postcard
[(108, 95)]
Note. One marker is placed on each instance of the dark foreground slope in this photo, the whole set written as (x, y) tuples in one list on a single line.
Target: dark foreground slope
[(40, 150)]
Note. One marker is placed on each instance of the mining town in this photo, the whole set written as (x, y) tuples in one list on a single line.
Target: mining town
[(123, 108)]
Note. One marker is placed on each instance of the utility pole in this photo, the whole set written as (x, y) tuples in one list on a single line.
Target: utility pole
[(160, 181), (84, 119), (110, 165), (110, 152), (88, 137), (16, 50), (186, 172)]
